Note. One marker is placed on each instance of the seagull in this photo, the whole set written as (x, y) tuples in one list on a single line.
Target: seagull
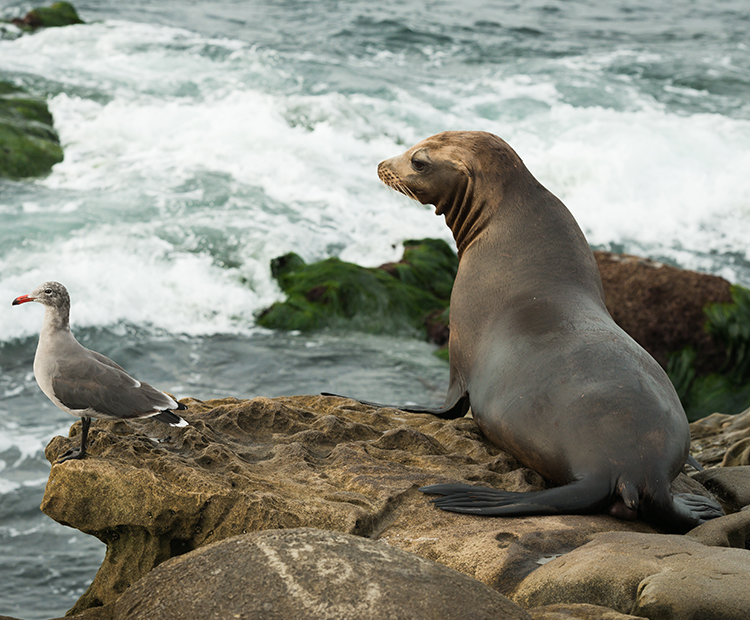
[(85, 383)]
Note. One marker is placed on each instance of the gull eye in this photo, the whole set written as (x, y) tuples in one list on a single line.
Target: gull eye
[(48, 291)]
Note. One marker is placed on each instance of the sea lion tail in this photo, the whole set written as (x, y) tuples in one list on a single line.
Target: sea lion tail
[(587, 495)]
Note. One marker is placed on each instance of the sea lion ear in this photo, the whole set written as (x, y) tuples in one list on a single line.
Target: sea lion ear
[(465, 168), (420, 160)]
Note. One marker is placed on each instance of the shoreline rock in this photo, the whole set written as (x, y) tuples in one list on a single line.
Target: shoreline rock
[(154, 494), (396, 298), (57, 15), (308, 574), (30, 144)]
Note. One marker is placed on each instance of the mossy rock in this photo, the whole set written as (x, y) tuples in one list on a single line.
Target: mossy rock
[(727, 390), (414, 295), (428, 264), (397, 298), (56, 15), (29, 145)]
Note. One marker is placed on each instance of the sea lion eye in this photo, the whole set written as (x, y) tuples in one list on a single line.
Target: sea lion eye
[(418, 164)]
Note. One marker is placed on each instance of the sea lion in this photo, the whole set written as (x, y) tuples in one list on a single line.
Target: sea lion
[(549, 376)]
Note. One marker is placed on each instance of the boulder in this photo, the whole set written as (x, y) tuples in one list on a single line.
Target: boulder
[(732, 530), (730, 485), (722, 439), (662, 307), (648, 575), (56, 15), (697, 326), (577, 611), (30, 145), (309, 574), (151, 492), (403, 297)]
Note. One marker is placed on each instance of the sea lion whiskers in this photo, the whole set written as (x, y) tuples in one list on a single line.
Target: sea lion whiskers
[(393, 182)]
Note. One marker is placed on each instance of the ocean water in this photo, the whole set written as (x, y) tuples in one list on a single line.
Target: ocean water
[(204, 138)]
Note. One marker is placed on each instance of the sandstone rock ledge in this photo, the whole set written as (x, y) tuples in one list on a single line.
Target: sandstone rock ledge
[(172, 497)]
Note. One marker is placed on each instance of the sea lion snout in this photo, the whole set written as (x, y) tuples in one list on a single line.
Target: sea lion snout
[(427, 173), (388, 173)]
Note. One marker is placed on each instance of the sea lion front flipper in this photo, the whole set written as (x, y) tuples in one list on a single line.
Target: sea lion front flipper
[(582, 496), (694, 463), (449, 411)]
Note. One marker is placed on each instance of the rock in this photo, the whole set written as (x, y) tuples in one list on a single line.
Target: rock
[(731, 530), (647, 575), (59, 14), (692, 323), (397, 298), (580, 611), (152, 492), (697, 326), (738, 454), (309, 574), (721, 439), (29, 145), (730, 485), (93, 613), (661, 306)]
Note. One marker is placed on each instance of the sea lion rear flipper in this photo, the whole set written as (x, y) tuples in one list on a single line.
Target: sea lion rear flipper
[(582, 496), (449, 411), (698, 507)]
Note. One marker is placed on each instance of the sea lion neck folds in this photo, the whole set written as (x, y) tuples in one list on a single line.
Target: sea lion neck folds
[(549, 376)]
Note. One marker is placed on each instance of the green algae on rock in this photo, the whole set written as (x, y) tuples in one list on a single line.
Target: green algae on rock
[(727, 387), (662, 307), (29, 145), (56, 15), (395, 298)]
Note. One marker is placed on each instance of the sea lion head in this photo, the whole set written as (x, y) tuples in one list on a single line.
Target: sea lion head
[(464, 174)]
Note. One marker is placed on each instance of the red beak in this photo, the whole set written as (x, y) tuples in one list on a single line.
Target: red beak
[(21, 300)]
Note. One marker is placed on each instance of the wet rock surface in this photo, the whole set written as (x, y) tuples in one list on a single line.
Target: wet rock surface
[(153, 493), (54, 16), (30, 145)]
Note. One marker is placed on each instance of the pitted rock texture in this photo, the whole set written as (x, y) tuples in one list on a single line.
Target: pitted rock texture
[(722, 439), (152, 492), (309, 574), (654, 576), (577, 611)]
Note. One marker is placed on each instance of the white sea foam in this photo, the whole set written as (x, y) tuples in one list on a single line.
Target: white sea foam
[(190, 162)]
